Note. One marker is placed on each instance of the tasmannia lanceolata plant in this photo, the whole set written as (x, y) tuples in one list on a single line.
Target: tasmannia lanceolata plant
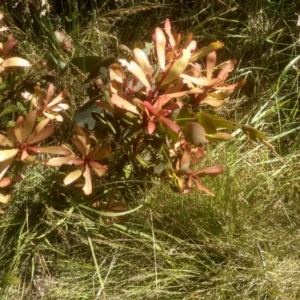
[(153, 117)]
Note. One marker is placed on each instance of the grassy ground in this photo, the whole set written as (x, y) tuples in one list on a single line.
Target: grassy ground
[(242, 244)]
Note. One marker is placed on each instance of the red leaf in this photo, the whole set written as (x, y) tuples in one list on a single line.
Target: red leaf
[(171, 124)]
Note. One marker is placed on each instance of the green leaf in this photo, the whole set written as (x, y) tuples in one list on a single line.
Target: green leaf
[(218, 121), (185, 116), (8, 110), (87, 63), (127, 170), (205, 50), (207, 123), (254, 134), (219, 137), (83, 116), (194, 133)]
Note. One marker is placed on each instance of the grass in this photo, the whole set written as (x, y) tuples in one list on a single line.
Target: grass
[(241, 244)]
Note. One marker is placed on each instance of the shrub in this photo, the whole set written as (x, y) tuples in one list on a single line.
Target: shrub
[(152, 115)]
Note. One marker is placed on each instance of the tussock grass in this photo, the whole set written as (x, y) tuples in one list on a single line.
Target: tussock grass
[(242, 244)]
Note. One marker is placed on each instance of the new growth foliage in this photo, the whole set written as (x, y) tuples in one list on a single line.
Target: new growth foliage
[(153, 106)]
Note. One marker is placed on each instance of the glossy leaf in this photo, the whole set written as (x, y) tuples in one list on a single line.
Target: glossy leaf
[(211, 59), (18, 129), (15, 62), (8, 154), (124, 104), (42, 135), (5, 142), (219, 122), (71, 177), (169, 33), (178, 67), (160, 43), (142, 60), (29, 124), (201, 81), (205, 50), (136, 70), (88, 181)]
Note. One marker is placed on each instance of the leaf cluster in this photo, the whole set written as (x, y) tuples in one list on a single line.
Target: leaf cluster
[(151, 102)]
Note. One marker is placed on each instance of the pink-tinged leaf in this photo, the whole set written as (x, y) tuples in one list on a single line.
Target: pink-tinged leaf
[(98, 168), (202, 188), (160, 43), (186, 158), (209, 171), (72, 177), (15, 62), (198, 155), (79, 145), (201, 81), (150, 107), (124, 104), (87, 189), (211, 60), (136, 70), (188, 40), (8, 154), (151, 127), (58, 150), (171, 124), (50, 93), (42, 135), (5, 182), (24, 155), (18, 129), (58, 161), (205, 50), (192, 46), (167, 97), (5, 142), (29, 124), (142, 60), (4, 199), (227, 68), (40, 126), (168, 32), (60, 97), (178, 67)]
